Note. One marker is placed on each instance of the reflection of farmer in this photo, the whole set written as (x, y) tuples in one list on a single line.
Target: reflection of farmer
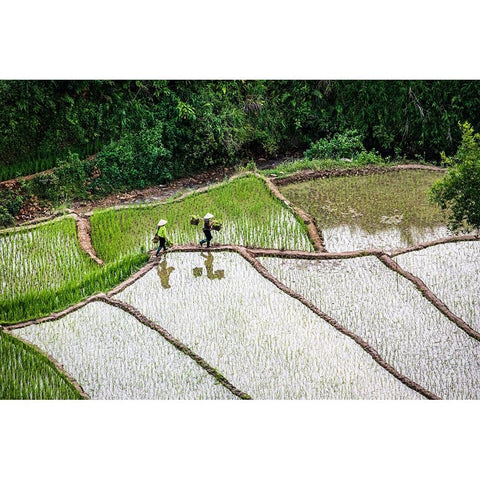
[(207, 229), (209, 267), (164, 273), (162, 234)]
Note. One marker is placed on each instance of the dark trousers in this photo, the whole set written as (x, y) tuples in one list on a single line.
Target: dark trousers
[(208, 237), (161, 245)]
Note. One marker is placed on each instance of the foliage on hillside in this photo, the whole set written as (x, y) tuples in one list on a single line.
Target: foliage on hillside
[(206, 122), (459, 191)]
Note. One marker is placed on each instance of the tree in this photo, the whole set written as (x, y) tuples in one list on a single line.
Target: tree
[(459, 190)]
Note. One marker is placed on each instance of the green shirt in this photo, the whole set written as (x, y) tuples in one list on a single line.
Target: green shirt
[(162, 232)]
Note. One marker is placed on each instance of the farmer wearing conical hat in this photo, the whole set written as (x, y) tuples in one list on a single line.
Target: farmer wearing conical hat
[(207, 229), (162, 234)]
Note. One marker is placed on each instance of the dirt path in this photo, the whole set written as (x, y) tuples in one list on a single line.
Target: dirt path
[(36, 213), (161, 192)]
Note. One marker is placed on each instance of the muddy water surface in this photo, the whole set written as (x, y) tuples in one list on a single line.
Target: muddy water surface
[(386, 210)]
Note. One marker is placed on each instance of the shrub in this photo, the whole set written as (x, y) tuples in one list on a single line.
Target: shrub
[(6, 219), (11, 201), (45, 186), (72, 176), (459, 191), (368, 158), (135, 161), (342, 145)]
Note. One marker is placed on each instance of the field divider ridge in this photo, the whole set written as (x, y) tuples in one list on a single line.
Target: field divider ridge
[(309, 174), (84, 238), (303, 255), (57, 364), (130, 309), (432, 243), (53, 316), (315, 234), (429, 295), (266, 252), (356, 338)]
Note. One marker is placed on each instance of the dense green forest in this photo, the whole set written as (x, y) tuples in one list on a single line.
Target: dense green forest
[(148, 132), (198, 123)]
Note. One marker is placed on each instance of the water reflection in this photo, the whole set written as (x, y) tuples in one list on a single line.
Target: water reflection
[(164, 273), (211, 274), (197, 272), (347, 237)]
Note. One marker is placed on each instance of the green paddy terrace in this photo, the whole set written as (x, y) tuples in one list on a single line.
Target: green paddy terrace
[(259, 338), (379, 210), (251, 216), (26, 373), (44, 270)]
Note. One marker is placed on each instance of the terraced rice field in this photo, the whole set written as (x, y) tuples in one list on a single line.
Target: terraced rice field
[(198, 324), (391, 315), (259, 338), (452, 272), (250, 214), (114, 356), (381, 210), (45, 270)]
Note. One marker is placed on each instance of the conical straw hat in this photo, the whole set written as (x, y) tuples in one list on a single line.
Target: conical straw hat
[(161, 223), (208, 216)]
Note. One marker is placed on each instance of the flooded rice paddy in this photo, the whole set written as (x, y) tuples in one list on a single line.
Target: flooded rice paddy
[(452, 272), (264, 342), (113, 356), (383, 210), (388, 312)]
